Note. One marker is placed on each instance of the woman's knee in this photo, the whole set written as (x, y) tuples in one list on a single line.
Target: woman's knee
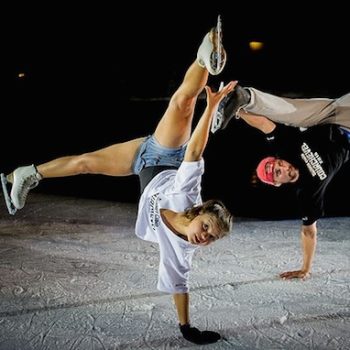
[(85, 163), (183, 103)]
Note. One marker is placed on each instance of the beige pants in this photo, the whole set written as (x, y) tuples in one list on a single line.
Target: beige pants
[(300, 112)]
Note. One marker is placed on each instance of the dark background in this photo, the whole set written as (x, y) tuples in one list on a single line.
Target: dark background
[(97, 75)]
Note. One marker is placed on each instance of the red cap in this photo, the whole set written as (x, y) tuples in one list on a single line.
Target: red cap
[(265, 170)]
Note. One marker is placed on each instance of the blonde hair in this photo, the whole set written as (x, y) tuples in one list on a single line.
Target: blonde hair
[(216, 209)]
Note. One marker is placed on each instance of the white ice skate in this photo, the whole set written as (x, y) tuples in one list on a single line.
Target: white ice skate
[(211, 53), (10, 207), (23, 179)]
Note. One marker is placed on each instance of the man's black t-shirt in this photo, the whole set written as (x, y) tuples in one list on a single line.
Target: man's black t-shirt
[(318, 152)]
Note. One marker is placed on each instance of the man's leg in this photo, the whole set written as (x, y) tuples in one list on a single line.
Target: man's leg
[(342, 112), (296, 112), (174, 129), (299, 112)]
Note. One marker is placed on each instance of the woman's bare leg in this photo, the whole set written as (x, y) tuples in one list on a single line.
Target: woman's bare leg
[(115, 160), (174, 129)]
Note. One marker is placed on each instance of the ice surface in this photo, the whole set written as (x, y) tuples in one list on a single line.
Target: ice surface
[(73, 275)]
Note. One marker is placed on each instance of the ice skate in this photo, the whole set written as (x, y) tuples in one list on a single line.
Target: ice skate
[(211, 54), (10, 207), (216, 122), (23, 179), (229, 107)]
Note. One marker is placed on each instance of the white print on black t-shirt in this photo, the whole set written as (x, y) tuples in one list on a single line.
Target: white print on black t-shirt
[(153, 211), (313, 161)]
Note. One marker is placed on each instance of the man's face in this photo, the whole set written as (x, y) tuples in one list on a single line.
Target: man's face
[(283, 172)]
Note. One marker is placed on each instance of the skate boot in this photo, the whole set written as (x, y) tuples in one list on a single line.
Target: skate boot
[(23, 179), (211, 53), (229, 107)]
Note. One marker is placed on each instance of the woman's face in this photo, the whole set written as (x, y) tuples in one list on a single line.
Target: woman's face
[(203, 230)]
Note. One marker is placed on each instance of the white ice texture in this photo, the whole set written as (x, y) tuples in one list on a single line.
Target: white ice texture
[(73, 275)]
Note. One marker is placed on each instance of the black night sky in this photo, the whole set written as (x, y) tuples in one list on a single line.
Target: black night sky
[(97, 75)]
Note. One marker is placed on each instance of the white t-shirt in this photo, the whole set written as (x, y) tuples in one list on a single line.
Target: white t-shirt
[(176, 190)]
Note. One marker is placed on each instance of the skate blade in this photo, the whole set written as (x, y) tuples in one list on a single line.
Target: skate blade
[(10, 207), (219, 37)]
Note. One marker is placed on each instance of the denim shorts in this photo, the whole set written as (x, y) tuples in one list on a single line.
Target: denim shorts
[(151, 153)]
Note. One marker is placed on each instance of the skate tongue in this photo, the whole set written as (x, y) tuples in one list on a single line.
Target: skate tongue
[(10, 207)]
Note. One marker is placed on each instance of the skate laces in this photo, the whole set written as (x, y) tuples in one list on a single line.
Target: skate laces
[(218, 118)]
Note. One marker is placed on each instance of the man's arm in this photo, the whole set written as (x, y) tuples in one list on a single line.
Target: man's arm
[(257, 121), (308, 232), (200, 135), (308, 243)]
